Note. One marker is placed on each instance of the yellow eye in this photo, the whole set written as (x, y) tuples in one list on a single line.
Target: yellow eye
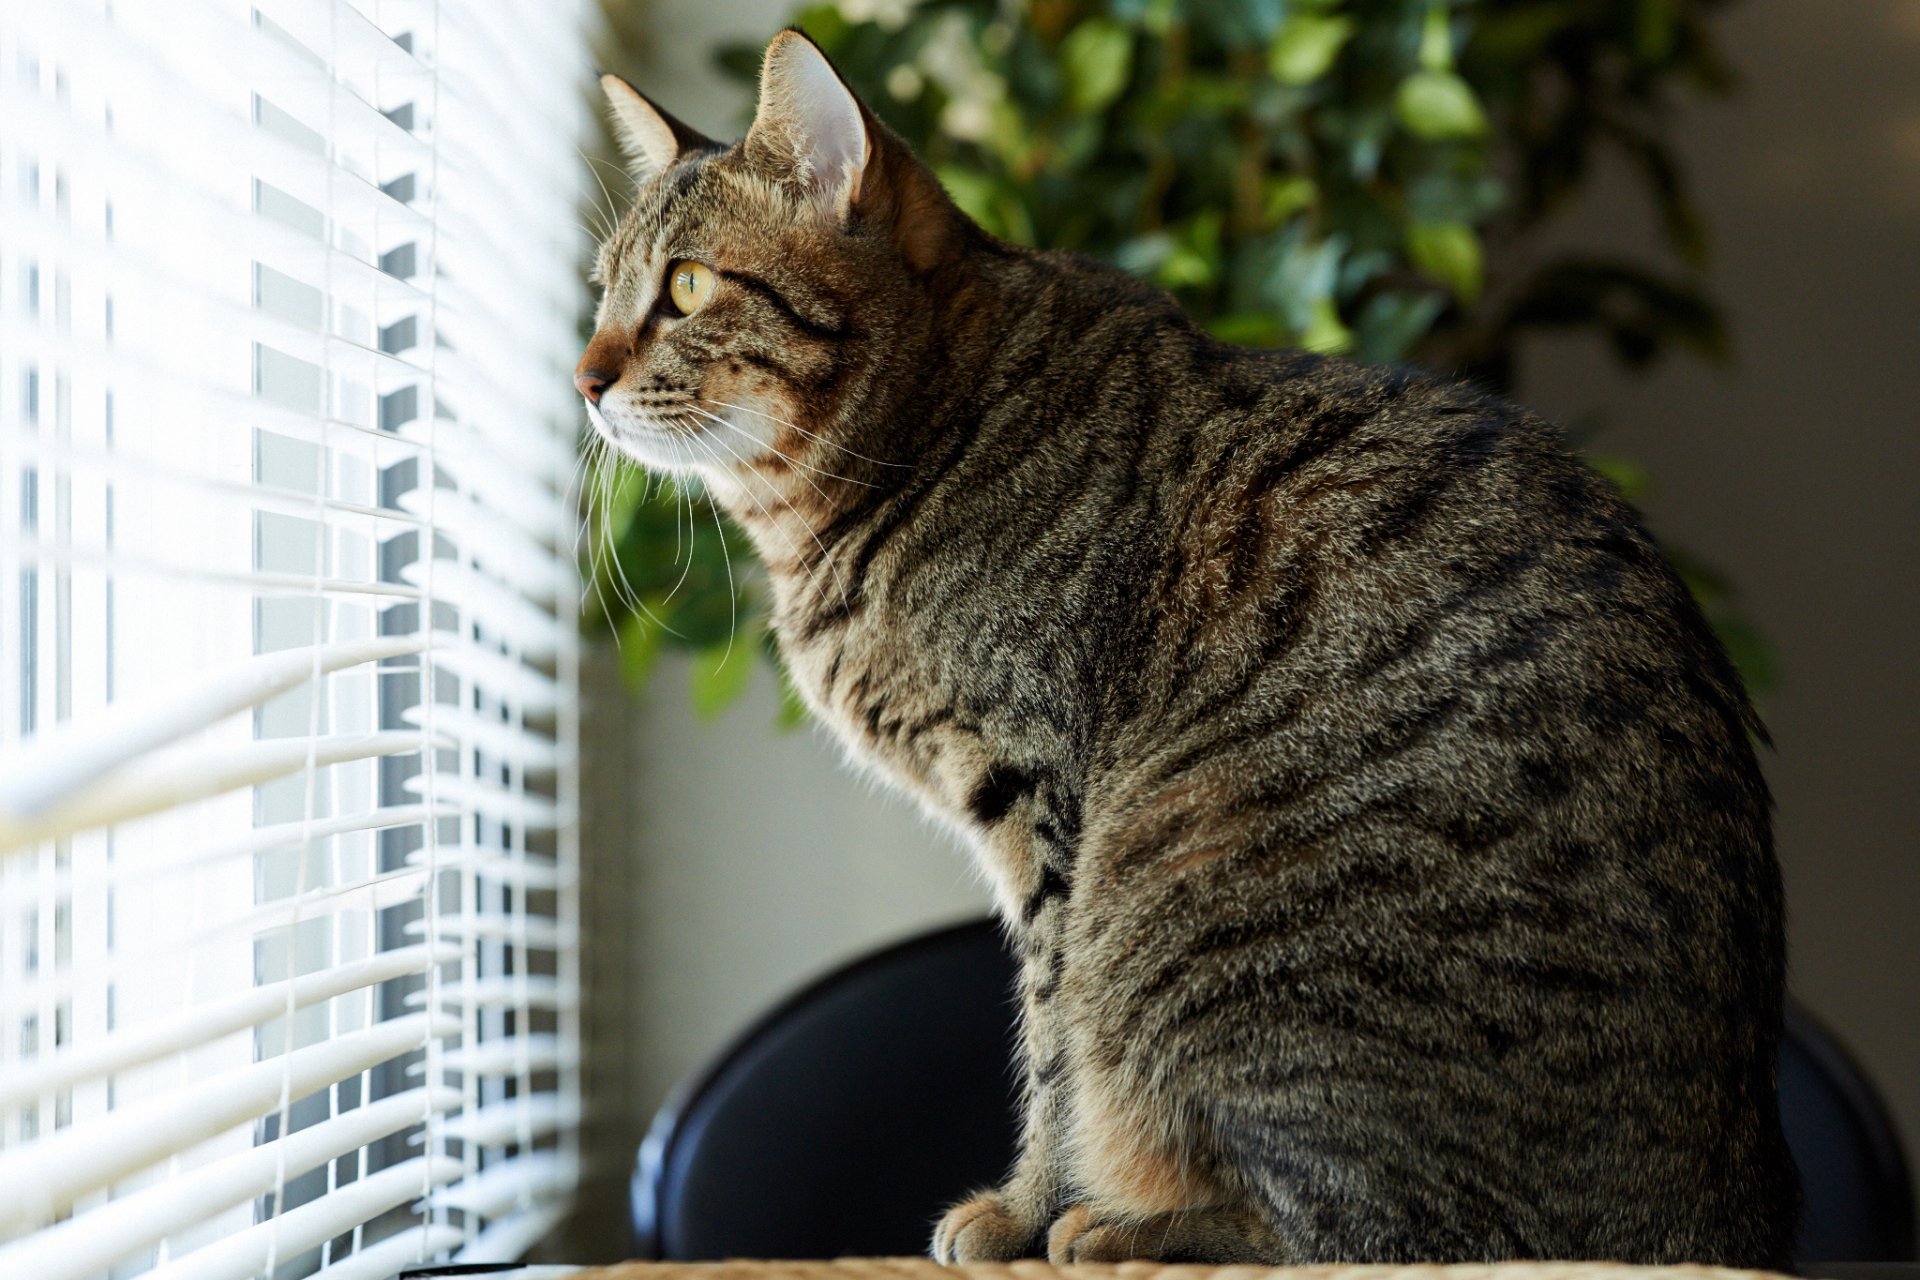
[(690, 284)]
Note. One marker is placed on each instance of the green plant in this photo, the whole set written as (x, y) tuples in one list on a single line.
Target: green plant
[(1368, 177)]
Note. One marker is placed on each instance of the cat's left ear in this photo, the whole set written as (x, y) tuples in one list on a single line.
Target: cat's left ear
[(650, 138), (809, 128)]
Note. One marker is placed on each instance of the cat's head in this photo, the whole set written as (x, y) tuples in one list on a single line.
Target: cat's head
[(758, 299)]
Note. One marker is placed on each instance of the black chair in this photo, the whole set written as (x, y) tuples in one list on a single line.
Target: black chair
[(844, 1121)]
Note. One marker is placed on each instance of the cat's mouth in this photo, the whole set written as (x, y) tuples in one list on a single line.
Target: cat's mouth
[(671, 434)]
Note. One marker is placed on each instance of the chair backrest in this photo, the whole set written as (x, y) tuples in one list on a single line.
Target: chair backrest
[(847, 1118), (1859, 1197)]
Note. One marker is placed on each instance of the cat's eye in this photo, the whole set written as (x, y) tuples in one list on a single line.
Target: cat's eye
[(690, 284)]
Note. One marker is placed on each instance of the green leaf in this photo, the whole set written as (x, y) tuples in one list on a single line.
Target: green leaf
[(1436, 39), (1326, 333), (1439, 104), (1450, 253), (1237, 24), (1391, 323), (1287, 196), (1247, 328), (974, 192), (639, 637), (1194, 259), (1654, 30), (1514, 37), (794, 711), (1629, 477), (721, 673), (1752, 656), (1307, 46), (1097, 56)]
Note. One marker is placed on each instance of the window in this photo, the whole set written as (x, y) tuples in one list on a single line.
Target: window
[(288, 709)]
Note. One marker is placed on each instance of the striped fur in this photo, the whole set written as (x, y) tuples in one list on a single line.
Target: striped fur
[(1373, 811)]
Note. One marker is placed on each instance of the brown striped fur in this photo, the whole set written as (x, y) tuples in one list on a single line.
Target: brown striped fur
[(1374, 814)]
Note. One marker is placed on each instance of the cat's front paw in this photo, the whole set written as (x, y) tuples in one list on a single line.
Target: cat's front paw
[(983, 1229), (1217, 1237)]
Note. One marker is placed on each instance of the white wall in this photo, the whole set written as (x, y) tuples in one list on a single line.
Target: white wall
[(762, 862), (756, 860)]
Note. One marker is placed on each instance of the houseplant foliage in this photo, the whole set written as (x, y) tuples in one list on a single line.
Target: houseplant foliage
[(1374, 178)]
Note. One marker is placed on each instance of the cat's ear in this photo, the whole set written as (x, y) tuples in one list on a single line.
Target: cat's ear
[(809, 129), (650, 138)]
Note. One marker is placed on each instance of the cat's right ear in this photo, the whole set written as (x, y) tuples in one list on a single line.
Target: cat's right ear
[(650, 138)]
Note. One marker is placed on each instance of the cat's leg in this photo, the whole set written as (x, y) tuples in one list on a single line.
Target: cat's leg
[(1011, 1220), (1144, 1185)]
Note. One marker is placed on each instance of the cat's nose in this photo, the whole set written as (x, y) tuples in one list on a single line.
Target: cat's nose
[(591, 384)]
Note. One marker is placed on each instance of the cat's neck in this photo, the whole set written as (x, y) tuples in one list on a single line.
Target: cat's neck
[(949, 357)]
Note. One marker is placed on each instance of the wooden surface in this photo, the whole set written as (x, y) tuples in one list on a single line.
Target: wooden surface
[(923, 1269)]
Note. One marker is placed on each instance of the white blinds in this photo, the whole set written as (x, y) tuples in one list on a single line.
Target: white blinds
[(288, 697)]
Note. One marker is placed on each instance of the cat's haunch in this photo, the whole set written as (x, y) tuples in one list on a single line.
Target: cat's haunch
[(1375, 815)]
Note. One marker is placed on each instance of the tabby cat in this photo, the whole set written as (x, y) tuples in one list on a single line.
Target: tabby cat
[(1375, 817)]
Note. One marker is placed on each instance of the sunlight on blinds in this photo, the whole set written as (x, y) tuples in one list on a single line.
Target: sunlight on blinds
[(289, 941)]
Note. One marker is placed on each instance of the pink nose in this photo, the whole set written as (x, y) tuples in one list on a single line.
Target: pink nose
[(591, 384)]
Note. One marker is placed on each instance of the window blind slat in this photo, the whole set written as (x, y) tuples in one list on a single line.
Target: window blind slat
[(226, 409), (533, 632), (48, 1174), (172, 779), (518, 562), (515, 808), (130, 472), (542, 468), (532, 932), (133, 564), (497, 740), (534, 692), (517, 1182), (149, 863), (522, 871), (201, 1023), (289, 1234), (512, 1237), (42, 772), (500, 1123), (517, 1055), (269, 158), (498, 484), (534, 991), (88, 1245), (178, 941), (388, 1258)]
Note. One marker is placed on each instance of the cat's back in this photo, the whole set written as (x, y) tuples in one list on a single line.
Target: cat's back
[(1435, 771)]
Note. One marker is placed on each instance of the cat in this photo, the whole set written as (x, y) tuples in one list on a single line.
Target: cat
[(1375, 817)]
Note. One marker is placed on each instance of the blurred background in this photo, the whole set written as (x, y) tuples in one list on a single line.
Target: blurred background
[(1762, 412)]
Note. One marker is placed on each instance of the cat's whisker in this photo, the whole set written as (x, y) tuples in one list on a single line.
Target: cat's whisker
[(628, 592), (786, 457), (607, 553), (681, 491), (794, 426), (791, 544), (782, 456), (577, 491), (612, 208), (598, 546), (733, 592)]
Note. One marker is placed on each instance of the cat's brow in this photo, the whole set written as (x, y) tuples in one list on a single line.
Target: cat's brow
[(768, 292)]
